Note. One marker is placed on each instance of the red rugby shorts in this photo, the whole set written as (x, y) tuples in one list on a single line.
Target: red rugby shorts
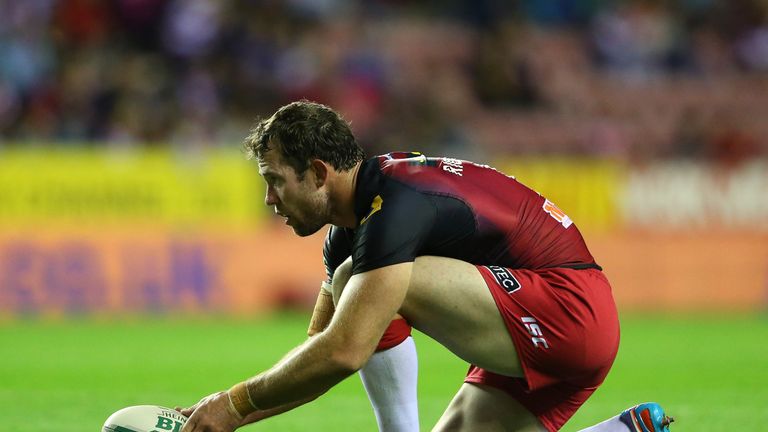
[(565, 328)]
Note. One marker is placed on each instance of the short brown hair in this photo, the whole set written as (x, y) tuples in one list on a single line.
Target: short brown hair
[(303, 131)]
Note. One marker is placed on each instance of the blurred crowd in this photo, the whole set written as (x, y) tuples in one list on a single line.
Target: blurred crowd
[(633, 79)]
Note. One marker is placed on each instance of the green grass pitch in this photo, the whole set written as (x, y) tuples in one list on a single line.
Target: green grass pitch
[(711, 373)]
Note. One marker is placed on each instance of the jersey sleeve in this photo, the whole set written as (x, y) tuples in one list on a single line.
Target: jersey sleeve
[(337, 248), (394, 231)]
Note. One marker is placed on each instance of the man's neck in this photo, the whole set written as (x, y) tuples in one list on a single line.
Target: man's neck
[(343, 198)]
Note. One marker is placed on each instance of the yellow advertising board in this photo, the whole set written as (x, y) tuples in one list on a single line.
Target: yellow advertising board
[(65, 187)]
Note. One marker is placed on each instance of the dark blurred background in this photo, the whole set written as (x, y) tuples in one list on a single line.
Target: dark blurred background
[(627, 79)]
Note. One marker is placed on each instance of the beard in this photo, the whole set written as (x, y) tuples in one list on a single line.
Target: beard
[(315, 217), (304, 229)]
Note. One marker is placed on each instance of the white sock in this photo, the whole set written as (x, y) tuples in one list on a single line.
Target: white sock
[(390, 379), (613, 424)]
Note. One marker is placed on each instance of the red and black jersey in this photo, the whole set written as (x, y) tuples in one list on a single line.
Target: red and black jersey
[(409, 205)]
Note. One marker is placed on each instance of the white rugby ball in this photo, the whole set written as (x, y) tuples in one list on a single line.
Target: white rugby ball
[(144, 418)]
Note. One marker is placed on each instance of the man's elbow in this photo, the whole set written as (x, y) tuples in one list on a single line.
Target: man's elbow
[(350, 357)]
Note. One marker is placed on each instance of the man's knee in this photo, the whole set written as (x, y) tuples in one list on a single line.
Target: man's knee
[(481, 407), (340, 278), (453, 417)]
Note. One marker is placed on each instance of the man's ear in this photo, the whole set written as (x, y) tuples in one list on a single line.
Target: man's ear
[(321, 170)]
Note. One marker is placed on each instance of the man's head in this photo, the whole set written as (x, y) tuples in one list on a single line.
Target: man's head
[(303, 131), (296, 148)]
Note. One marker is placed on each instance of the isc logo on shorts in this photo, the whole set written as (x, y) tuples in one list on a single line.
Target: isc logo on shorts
[(535, 331), (505, 278)]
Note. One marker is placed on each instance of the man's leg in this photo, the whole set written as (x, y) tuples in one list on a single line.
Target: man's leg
[(450, 301), (478, 312), (478, 407), (390, 379), (390, 376)]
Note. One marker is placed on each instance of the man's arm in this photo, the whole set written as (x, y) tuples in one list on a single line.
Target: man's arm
[(364, 311), (321, 317)]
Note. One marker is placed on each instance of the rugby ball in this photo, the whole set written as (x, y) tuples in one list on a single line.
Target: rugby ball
[(144, 418)]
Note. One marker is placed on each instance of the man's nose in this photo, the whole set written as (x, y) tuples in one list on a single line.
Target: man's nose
[(271, 198)]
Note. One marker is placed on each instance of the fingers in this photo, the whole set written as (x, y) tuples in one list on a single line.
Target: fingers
[(199, 423), (211, 414), (186, 412), (193, 425)]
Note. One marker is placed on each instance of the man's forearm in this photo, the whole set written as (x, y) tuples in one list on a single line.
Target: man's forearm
[(321, 316), (316, 366), (264, 414)]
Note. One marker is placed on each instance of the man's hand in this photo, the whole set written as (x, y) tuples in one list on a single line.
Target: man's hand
[(213, 413)]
